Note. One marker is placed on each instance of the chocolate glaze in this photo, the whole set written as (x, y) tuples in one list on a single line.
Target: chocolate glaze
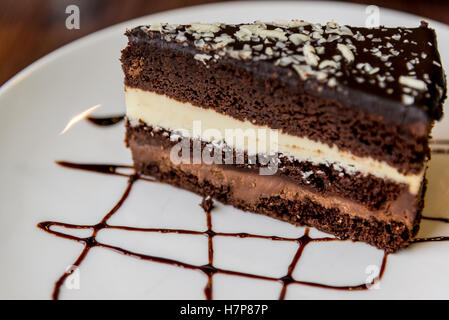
[(209, 269)]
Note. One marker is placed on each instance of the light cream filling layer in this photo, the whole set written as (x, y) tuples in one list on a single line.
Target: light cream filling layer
[(195, 122)]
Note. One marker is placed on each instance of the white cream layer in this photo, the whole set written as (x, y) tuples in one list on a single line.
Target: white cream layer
[(161, 111)]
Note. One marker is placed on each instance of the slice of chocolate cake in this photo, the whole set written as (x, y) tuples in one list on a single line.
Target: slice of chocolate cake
[(319, 125)]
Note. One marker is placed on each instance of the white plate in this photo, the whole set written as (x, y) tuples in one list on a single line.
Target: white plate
[(38, 102)]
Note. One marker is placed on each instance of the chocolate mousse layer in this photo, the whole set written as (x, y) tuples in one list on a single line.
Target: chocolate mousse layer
[(279, 196)]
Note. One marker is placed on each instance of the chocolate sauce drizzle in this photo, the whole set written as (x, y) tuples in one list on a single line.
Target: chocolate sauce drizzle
[(208, 269), (106, 121), (440, 142)]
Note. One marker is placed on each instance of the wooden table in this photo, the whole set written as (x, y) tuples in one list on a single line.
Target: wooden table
[(30, 29)]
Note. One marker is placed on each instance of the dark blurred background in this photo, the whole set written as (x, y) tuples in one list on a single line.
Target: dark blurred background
[(30, 29)]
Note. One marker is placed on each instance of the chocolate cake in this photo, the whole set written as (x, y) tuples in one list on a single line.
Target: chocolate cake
[(319, 125)]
